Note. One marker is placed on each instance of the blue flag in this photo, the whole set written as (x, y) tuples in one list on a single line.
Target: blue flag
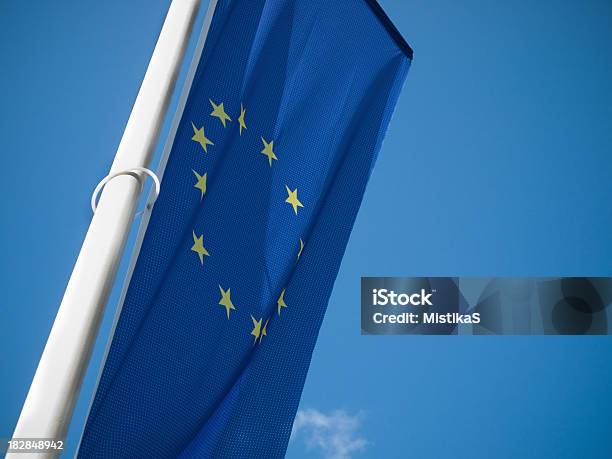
[(285, 116)]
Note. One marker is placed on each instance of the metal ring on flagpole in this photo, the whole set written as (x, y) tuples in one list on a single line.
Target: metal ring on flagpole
[(134, 172)]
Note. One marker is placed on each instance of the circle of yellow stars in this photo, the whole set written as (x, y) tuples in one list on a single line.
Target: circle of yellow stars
[(259, 327)]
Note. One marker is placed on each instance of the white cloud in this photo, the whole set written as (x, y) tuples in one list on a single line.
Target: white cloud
[(335, 434)]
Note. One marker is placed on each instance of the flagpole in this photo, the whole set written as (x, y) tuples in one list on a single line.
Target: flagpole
[(48, 407)]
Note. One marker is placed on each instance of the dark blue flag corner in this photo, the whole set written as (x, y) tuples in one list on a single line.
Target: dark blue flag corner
[(284, 119)]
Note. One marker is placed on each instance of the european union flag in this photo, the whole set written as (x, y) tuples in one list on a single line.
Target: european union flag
[(285, 116)]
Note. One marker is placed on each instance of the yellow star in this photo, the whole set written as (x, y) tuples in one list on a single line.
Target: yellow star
[(256, 328), (198, 247), (200, 137), (301, 248), (201, 183), (293, 199), (241, 119), (219, 112), (268, 150), (226, 300), (263, 331), (281, 301)]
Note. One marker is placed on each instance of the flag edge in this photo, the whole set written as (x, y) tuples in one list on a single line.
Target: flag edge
[(391, 28)]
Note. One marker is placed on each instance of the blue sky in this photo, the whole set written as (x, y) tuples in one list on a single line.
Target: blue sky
[(498, 161)]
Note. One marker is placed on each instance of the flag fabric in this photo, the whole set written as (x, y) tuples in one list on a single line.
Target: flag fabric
[(275, 145)]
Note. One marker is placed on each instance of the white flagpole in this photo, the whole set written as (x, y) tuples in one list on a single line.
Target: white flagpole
[(50, 401)]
